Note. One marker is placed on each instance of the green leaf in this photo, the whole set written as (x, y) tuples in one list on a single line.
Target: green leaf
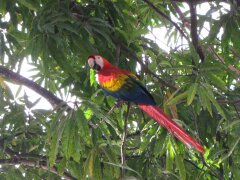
[(92, 166), (233, 147), (76, 169), (205, 101), (160, 145), (112, 158), (89, 165), (180, 165), (53, 148), (191, 93), (169, 156), (235, 32), (59, 56), (68, 138), (61, 166), (178, 98), (82, 124), (56, 135), (215, 29), (213, 100), (217, 81), (30, 4), (3, 5), (123, 35), (232, 125), (125, 167)]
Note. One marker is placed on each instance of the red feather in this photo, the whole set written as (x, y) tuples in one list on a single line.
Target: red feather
[(164, 120)]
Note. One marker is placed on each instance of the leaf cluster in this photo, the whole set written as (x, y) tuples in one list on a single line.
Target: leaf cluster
[(56, 37)]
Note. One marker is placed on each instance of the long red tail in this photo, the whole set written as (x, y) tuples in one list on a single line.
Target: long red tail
[(164, 120)]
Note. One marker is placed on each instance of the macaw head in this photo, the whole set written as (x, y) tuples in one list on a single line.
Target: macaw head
[(98, 62)]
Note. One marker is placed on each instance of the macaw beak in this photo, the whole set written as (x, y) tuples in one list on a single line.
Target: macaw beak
[(96, 66)]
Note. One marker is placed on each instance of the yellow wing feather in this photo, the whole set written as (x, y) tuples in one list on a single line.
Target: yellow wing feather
[(114, 84)]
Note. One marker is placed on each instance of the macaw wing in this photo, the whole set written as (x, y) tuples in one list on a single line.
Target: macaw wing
[(131, 89)]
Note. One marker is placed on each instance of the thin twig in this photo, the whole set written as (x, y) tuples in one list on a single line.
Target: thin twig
[(235, 53), (184, 20), (236, 110), (223, 101), (123, 145), (133, 55), (221, 59), (205, 164), (195, 122), (118, 104), (118, 52), (221, 176), (196, 166), (136, 133), (191, 26), (151, 5)]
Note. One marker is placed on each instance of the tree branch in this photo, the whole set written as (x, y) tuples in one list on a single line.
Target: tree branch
[(194, 33), (210, 49), (34, 164), (30, 160), (50, 97), (192, 26), (54, 100), (223, 101)]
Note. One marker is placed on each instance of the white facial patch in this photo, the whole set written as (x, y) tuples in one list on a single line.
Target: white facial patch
[(99, 61), (91, 62)]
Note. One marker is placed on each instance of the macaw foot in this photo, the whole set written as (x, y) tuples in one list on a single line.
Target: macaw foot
[(118, 104)]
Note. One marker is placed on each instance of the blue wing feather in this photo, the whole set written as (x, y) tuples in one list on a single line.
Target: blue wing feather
[(132, 90)]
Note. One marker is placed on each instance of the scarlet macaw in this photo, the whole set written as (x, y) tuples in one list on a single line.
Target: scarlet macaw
[(124, 85)]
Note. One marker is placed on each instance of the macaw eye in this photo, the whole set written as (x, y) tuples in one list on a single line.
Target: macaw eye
[(99, 61)]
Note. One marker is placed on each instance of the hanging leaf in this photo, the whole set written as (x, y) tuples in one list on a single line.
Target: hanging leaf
[(213, 100), (205, 101), (82, 124), (55, 136), (178, 98), (68, 138), (2, 83), (170, 154), (191, 93), (31, 4), (180, 165)]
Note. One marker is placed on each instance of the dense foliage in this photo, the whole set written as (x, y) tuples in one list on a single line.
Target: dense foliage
[(196, 82)]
